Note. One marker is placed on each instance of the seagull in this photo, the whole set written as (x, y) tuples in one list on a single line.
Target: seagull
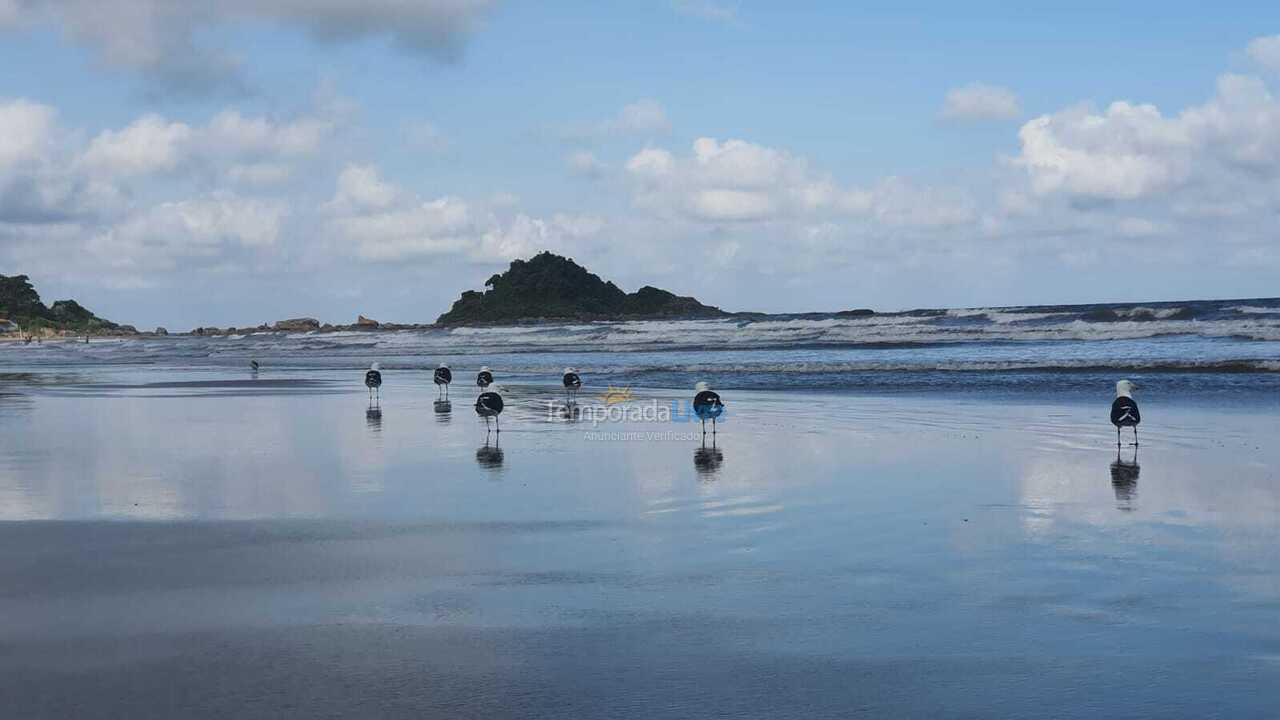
[(484, 378), (373, 380), (489, 405), (1124, 411), (707, 406), (442, 378), (571, 383), (253, 365)]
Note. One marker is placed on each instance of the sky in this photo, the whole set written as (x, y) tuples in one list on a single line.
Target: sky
[(181, 165)]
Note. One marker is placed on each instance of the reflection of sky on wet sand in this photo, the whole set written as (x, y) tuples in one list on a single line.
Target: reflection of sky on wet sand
[(820, 527)]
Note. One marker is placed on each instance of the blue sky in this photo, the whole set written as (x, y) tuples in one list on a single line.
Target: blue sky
[(265, 159)]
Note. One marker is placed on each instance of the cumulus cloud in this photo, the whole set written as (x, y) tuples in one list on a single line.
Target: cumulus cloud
[(248, 149), (979, 101), (209, 231), (38, 182), (132, 201), (374, 220), (736, 181), (164, 39), (1131, 151)]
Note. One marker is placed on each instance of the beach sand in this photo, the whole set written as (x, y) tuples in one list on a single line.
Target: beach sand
[(209, 544)]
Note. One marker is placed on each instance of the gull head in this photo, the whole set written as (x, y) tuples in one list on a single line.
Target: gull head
[(1124, 388), (375, 366), (444, 366), (701, 387), (569, 370), (485, 368)]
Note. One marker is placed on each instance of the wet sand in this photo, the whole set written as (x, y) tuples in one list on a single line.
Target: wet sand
[(181, 544)]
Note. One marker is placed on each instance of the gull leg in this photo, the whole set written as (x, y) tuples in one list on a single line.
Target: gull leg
[(1117, 436), (1135, 436)]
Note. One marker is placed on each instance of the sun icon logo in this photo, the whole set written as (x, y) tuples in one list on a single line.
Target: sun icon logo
[(614, 395)]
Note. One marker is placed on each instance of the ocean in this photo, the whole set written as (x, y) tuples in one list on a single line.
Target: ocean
[(1188, 351)]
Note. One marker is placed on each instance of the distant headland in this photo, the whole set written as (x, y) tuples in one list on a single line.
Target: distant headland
[(551, 287), (544, 288), (22, 312)]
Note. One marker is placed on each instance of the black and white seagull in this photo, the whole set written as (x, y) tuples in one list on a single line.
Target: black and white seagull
[(707, 406), (484, 378), (373, 380), (442, 378), (572, 383), (489, 405), (1124, 411)]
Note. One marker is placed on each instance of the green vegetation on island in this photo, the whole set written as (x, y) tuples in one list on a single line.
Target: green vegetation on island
[(20, 305), (550, 287)]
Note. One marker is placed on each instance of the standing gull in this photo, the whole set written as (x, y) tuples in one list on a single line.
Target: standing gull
[(373, 380), (707, 406), (1124, 411), (489, 405), (442, 378), (572, 383)]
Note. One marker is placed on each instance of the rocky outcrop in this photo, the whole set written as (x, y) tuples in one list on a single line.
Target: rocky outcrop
[(365, 323), (160, 331), (296, 325), (551, 287)]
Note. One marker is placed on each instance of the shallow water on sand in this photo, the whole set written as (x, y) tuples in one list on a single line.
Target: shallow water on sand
[(211, 544)]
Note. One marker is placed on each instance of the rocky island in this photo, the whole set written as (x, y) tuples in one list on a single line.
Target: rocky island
[(551, 287), (22, 312)]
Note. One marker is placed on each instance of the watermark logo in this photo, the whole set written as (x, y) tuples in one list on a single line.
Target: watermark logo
[(615, 395), (620, 405)]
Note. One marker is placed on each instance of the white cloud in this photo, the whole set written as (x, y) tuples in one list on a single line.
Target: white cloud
[(1265, 51), (979, 101), (736, 181), (1131, 151), (376, 221), (38, 183), (159, 37), (361, 188), (252, 149), (147, 145), (26, 131), (218, 231)]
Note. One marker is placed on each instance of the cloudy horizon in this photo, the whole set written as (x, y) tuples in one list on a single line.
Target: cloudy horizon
[(171, 166)]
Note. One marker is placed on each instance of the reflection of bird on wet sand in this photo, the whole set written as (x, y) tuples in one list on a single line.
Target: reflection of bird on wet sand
[(707, 460), (1124, 480), (443, 409), (489, 456), (373, 417)]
